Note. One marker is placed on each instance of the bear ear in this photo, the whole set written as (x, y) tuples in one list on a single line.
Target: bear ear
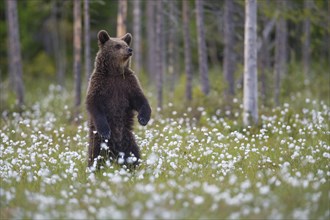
[(127, 38), (103, 37)]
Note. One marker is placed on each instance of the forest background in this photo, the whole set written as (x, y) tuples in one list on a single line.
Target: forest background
[(293, 48)]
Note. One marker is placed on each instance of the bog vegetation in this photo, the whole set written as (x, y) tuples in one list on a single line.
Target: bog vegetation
[(198, 162)]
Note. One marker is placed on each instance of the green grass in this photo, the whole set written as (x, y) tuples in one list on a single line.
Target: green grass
[(198, 161)]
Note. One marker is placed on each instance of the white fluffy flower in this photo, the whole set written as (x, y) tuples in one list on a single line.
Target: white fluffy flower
[(198, 200)]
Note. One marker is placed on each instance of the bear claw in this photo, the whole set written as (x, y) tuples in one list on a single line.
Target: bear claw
[(142, 121), (105, 136)]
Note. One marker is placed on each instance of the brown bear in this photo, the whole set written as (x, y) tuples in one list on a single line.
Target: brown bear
[(114, 94)]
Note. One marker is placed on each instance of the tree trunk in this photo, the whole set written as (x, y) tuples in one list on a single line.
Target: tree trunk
[(172, 18), (137, 36), (159, 53), (264, 64), (250, 99), (151, 7), (88, 65), (121, 18), (187, 48), (58, 41), (62, 64), (307, 39), (55, 39), (264, 60), (280, 51), (229, 62), (77, 52), (14, 53), (202, 53)]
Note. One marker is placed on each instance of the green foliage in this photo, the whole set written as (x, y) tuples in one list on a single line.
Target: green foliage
[(41, 65), (30, 27), (295, 85)]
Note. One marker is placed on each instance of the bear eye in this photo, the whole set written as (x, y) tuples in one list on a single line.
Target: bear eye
[(118, 46)]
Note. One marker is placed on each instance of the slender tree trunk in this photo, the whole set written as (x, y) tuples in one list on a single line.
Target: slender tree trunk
[(159, 53), (264, 64), (77, 52), (326, 37), (88, 65), (250, 99), (202, 53), (264, 55), (213, 52), (187, 48), (56, 33), (15, 61), (280, 51), (151, 7), (62, 62), (229, 62), (121, 18), (137, 35), (307, 39), (171, 45)]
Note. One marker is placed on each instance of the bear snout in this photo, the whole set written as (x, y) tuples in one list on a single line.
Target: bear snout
[(130, 51)]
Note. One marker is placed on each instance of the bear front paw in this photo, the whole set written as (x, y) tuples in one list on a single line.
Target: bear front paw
[(142, 120), (104, 133), (105, 136), (102, 127)]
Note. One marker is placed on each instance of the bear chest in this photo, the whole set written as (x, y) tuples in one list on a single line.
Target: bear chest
[(116, 96)]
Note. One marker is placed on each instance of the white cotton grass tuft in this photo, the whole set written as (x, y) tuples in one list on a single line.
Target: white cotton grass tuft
[(152, 159), (131, 160), (264, 190), (104, 146), (198, 200), (121, 160)]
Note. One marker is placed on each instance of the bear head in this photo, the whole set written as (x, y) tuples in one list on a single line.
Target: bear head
[(114, 52)]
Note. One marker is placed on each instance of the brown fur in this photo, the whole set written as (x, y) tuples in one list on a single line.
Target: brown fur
[(113, 95)]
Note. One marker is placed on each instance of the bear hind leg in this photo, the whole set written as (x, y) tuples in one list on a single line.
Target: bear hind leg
[(132, 151), (96, 155)]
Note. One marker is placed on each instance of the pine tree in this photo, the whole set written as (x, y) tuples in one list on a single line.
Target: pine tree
[(229, 53), (137, 36), (121, 18), (202, 53), (250, 99), (77, 53), (187, 48), (88, 66), (14, 52)]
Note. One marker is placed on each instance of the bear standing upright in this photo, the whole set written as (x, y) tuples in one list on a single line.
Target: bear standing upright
[(113, 95)]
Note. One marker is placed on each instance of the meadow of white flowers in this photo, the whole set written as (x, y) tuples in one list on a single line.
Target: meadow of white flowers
[(204, 166)]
